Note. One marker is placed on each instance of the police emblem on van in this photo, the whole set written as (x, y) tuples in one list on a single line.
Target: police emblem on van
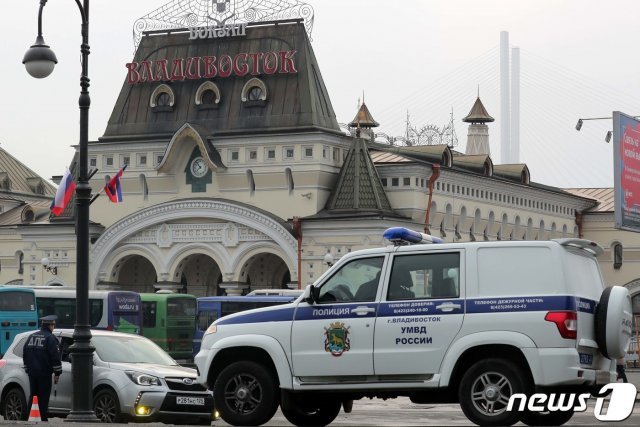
[(337, 339)]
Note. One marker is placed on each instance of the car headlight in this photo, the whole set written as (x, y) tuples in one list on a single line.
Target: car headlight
[(212, 329), (143, 379)]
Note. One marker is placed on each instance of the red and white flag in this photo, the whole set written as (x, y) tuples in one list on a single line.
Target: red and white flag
[(63, 194)]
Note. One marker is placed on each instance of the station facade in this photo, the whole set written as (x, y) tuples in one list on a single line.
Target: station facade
[(239, 177)]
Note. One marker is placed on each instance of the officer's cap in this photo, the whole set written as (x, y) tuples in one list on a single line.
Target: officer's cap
[(49, 319)]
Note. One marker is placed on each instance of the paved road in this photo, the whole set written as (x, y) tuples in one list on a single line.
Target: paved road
[(401, 412)]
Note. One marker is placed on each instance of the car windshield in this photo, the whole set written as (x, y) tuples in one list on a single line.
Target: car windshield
[(119, 349)]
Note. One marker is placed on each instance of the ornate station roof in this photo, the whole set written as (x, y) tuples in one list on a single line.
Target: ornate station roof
[(293, 94)]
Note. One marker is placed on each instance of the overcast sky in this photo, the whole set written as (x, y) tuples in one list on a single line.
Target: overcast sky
[(427, 58)]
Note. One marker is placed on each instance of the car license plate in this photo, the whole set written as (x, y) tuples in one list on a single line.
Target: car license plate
[(199, 401), (586, 359)]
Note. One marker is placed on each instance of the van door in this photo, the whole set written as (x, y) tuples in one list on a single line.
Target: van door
[(334, 337), (420, 314)]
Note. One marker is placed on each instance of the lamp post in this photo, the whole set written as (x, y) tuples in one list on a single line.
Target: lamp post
[(607, 137), (39, 62)]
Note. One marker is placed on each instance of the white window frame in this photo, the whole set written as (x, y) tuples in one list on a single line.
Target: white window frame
[(284, 153), (249, 151), (304, 152), (266, 154), (232, 152), (155, 158)]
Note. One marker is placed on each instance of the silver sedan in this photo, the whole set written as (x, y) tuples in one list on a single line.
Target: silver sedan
[(133, 380)]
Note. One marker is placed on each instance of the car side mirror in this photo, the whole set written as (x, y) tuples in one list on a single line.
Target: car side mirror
[(312, 294)]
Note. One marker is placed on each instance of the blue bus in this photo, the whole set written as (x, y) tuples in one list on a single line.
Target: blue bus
[(210, 309), (18, 313), (112, 310)]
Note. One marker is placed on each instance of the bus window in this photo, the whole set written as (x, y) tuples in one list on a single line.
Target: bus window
[(65, 309), (18, 313), (205, 318), (17, 301), (181, 307), (149, 314), (125, 312)]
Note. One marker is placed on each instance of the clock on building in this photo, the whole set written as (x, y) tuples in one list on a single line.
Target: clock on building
[(199, 167)]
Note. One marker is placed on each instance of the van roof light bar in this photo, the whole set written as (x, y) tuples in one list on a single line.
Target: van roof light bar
[(403, 236)]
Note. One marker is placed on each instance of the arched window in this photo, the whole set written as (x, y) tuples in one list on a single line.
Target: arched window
[(251, 182), (477, 224), (20, 259), (162, 98), (489, 227), (515, 235), (208, 95), (617, 255), (144, 187), (290, 183), (254, 93), (503, 227)]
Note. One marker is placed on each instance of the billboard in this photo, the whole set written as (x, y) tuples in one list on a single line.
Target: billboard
[(626, 169)]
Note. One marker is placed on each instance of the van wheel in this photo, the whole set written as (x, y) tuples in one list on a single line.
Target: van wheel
[(246, 394), (557, 418), (107, 407), (15, 405), (485, 390), (311, 413)]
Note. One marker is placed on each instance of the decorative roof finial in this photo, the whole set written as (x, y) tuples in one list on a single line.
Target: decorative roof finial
[(177, 14)]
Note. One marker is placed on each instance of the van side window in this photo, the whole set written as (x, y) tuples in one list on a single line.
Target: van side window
[(424, 276), (356, 281)]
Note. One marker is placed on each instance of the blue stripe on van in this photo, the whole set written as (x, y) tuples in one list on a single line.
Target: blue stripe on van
[(277, 315), (341, 311), (418, 308), (530, 303)]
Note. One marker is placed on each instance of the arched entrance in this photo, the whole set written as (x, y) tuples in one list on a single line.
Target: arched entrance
[(199, 275), (227, 232), (265, 271), (134, 272)]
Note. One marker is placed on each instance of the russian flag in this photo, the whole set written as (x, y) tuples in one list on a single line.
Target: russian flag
[(63, 194), (113, 188)]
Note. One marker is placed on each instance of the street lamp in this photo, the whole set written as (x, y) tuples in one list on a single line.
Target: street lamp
[(39, 62), (48, 267), (328, 259), (609, 134)]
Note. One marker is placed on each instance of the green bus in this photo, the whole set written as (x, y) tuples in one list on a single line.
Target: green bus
[(169, 320)]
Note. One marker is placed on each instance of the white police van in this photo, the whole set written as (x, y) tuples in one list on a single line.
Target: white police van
[(470, 322)]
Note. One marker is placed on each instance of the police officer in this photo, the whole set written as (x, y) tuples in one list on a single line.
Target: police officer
[(41, 358)]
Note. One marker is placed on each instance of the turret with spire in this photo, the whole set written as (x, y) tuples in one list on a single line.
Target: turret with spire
[(478, 135), (363, 123)]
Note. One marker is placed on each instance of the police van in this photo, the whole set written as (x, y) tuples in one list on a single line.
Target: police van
[(471, 322)]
